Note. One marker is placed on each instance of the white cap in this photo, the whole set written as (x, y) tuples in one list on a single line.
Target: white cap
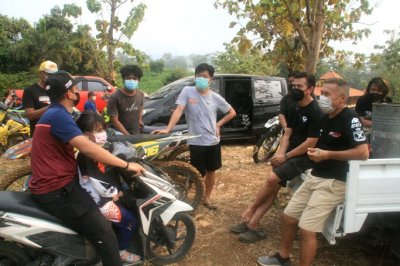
[(49, 67)]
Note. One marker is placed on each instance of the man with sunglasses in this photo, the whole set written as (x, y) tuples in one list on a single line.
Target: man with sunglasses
[(301, 133)]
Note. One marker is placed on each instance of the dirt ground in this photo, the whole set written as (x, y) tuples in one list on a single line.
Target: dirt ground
[(237, 183)]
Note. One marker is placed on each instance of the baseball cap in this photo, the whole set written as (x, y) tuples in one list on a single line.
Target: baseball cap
[(58, 83), (48, 66)]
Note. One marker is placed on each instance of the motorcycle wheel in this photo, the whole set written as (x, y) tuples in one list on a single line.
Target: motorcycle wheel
[(186, 179), (181, 153), (267, 145), (13, 170), (12, 254), (181, 231), (20, 184)]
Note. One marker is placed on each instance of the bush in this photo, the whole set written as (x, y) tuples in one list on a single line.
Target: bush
[(16, 81), (176, 74)]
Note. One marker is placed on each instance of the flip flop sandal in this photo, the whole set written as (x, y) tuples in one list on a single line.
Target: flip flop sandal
[(210, 206), (252, 236), (239, 228), (129, 258)]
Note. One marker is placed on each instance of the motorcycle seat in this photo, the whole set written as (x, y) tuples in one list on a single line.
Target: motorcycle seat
[(136, 138), (23, 203)]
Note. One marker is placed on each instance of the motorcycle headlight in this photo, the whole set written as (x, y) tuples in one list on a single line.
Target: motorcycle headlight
[(149, 110)]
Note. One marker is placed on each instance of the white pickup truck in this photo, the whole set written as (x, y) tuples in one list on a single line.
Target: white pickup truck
[(372, 186)]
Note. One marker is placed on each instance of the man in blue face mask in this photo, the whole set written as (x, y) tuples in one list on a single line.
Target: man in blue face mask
[(201, 106), (125, 106)]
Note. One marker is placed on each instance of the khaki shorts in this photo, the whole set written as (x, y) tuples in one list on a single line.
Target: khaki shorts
[(314, 201)]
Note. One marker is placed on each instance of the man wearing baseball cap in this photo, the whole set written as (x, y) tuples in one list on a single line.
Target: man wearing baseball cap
[(35, 99), (55, 184)]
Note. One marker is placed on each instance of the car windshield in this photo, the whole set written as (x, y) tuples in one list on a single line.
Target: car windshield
[(164, 91)]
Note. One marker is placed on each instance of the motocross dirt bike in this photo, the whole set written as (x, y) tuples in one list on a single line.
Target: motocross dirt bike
[(268, 142), (13, 127), (30, 235)]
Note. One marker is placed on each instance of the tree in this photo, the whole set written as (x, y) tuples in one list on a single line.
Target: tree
[(157, 66), (251, 62), (387, 64), (108, 28), (294, 29), (11, 32)]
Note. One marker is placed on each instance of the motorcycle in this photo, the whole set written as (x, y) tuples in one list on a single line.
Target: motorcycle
[(13, 127), (268, 142), (30, 235), (16, 169)]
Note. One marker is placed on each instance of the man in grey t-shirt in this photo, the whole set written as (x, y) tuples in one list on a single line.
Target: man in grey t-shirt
[(201, 106), (125, 106)]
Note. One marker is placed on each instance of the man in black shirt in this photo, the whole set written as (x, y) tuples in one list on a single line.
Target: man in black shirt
[(301, 133), (342, 139), (35, 100), (287, 101)]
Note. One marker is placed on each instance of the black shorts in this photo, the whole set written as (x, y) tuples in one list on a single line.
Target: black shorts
[(292, 168), (205, 158)]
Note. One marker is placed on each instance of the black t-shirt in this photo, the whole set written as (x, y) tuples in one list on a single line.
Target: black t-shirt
[(34, 97), (98, 170), (305, 122), (127, 108), (342, 132), (364, 105), (287, 103)]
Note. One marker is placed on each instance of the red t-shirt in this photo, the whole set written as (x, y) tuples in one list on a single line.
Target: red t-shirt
[(53, 161)]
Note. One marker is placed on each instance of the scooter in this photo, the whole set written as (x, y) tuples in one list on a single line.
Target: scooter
[(268, 142), (185, 178), (31, 236)]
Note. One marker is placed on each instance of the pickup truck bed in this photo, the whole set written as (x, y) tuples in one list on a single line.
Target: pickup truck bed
[(372, 186)]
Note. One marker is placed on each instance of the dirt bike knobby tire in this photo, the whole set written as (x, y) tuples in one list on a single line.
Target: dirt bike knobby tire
[(175, 154), (12, 170), (179, 171)]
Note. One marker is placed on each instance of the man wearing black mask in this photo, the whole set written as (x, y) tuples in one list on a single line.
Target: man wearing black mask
[(287, 102), (301, 133)]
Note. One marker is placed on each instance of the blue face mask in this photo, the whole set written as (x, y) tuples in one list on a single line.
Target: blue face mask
[(131, 84), (201, 83)]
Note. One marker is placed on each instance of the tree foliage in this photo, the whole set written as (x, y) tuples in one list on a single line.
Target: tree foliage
[(249, 62), (296, 32), (387, 63), (113, 33)]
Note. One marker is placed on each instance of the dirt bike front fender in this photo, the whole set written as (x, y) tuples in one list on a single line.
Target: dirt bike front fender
[(176, 206)]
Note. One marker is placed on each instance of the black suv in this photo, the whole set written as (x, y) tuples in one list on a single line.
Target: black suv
[(254, 98)]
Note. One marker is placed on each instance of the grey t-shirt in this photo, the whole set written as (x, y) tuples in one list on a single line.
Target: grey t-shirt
[(201, 114), (127, 108)]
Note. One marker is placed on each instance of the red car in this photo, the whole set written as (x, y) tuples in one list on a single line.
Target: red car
[(100, 86), (85, 84)]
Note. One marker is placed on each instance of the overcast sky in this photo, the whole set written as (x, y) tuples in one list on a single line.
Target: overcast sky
[(183, 27)]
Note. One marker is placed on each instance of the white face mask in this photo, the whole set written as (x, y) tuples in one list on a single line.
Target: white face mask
[(94, 98), (325, 104), (100, 137)]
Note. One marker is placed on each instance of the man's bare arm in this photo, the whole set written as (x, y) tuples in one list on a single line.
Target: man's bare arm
[(33, 114)]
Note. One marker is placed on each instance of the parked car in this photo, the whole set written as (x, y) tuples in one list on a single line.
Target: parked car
[(254, 98), (89, 83)]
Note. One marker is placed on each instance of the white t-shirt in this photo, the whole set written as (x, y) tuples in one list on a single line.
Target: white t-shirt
[(201, 114)]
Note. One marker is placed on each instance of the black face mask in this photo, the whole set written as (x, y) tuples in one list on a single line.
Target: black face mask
[(297, 95), (78, 98), (375, 97)]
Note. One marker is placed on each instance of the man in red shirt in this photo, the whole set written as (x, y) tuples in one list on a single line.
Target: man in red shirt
[(54, 183)]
